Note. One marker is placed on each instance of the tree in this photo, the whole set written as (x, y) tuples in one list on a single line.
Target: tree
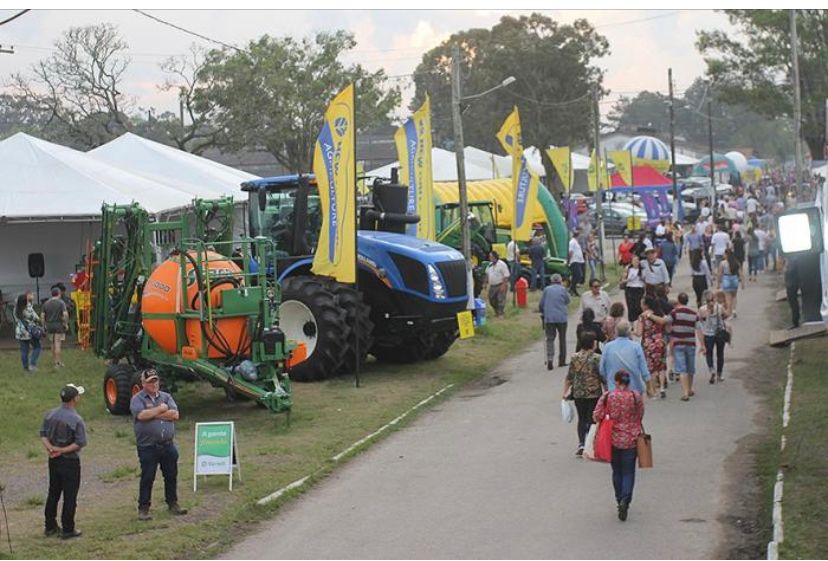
[(758, 71), (552, 64), (78, 87), (273, 94)]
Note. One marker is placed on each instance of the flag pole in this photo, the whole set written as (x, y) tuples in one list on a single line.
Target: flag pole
[(356, 250)]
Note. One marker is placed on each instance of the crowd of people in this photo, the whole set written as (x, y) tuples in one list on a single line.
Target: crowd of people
[(628, 351)]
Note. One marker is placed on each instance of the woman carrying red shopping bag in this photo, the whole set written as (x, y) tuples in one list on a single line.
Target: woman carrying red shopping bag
[(625, 409)]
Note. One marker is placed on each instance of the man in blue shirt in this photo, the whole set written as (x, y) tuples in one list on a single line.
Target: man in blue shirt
[(554, 309), (624, 353)]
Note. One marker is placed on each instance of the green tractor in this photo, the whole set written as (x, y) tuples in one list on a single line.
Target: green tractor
[(182, 298)]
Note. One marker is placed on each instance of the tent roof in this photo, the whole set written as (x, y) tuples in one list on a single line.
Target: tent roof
[(643, 176), (42, 180), (171, 166), (444, 168)]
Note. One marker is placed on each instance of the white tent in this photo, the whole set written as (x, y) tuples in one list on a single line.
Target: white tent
[(171, 166), (444, 168), (42, 181), (500, 166)]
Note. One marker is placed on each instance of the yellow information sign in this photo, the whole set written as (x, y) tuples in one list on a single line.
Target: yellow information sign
[(466, 324)]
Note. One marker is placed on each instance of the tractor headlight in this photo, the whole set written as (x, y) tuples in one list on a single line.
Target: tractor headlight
[(436, 284)]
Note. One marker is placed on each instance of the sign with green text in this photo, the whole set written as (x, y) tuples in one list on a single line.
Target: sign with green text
[(215, 451)]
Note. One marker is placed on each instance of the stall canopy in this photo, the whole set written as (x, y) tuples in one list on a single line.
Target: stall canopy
[(643, 177), (444, 168), (721, 164), (171, 166), (42, 181)]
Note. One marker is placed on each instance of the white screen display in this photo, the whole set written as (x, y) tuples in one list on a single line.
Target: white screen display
[(794, 233)]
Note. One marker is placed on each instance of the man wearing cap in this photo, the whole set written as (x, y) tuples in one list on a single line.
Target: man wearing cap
[(553, 307), (654, 272), (155, 413), (63, 435)]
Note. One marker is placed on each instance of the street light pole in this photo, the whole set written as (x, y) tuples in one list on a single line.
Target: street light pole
[(797, 105), (673, 147), (458, 151), (712, 163)]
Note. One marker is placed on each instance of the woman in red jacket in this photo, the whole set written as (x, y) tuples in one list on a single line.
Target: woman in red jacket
[(626, 409), (625, 251)]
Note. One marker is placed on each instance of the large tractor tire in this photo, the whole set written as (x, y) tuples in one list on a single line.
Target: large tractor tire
[(359, 324), (440, 343), (310, 314), (119, 385)]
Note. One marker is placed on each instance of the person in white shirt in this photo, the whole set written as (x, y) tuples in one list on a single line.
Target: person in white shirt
[(597, 300), (576, 263), (654, 272), (497, 277), (719, 242), (513, 260), (762, 235)]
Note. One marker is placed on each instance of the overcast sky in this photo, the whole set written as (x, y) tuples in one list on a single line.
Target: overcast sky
[(643, 43)]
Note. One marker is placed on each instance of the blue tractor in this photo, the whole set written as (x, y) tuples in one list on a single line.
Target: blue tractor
[(410, 290)]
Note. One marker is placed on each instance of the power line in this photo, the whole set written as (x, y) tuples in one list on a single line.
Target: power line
[(629, 22), (193, 33), (550, 103), (14, 17)]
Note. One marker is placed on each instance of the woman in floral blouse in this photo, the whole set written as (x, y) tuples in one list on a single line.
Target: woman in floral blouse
[(584, 378), (626, 409)]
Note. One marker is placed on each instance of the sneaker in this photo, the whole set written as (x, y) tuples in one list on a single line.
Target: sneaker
[(73, 534), (712, 379), (550, 365), (143, 514), (176, 510), (719, 378), (52, 531), (663, 394), (32, 368), (580, 452), (623, 508), (562, 362), (685, 398)]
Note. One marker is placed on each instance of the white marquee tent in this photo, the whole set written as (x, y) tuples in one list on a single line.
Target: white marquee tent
[(51, 197)]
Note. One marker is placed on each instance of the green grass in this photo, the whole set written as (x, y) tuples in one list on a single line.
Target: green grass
[(32, 502), (805, 459), (327, 418)]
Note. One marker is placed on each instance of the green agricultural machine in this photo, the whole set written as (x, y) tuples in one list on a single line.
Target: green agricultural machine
[(181, 297)]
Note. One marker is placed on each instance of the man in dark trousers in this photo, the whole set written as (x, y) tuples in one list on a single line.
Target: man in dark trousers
[(63, 435), (155, 413), (554, 309), (792, 289)]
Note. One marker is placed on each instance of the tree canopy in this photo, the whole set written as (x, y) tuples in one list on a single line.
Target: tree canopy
[(754, 66), (552, 63), (273, 94)]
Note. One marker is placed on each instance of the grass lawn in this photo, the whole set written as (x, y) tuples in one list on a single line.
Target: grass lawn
[(327, 418), (805, 459)]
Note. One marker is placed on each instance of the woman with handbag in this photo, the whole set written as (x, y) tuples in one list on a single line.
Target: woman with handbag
[(625, 408), (714, 329), (27, 330), (702, 278), (585, 382), (729, 278)]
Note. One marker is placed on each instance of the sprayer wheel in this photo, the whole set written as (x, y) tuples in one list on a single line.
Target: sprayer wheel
[(118, 388)]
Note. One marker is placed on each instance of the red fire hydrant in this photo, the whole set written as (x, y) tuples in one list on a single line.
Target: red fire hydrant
[(521, 291)]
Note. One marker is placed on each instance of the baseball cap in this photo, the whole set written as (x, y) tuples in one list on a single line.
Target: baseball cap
[(70, 392), (556, 278), (149, 374), (649, 249)]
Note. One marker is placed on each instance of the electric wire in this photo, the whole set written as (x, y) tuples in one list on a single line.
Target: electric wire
[(193, 33), (14, 17)]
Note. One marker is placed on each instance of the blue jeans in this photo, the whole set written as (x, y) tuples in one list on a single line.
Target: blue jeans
[(150, 457), (684, 359), (538, 275), (623, 473), (24, 352)]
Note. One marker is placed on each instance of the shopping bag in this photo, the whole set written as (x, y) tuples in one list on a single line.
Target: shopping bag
[(644, 444), (589, 443), (603, 440), (567, 410)]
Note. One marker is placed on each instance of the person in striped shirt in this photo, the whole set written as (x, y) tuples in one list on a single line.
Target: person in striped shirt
[(685, 328)]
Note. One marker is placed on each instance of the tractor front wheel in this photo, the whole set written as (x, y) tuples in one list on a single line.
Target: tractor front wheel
[(439, 344), (118, 388)]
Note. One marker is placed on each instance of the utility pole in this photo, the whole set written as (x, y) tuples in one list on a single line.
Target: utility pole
[(712, 163), (458, 150), (673, 147), (797, 104), (596, 114)]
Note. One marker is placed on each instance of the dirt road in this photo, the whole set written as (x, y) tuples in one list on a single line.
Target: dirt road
[(492, 474)]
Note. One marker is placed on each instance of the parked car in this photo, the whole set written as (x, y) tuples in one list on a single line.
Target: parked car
[(616, 217)]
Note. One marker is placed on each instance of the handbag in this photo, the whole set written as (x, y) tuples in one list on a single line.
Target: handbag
[(722, 334), (34, 330), (603, 440), (644, 446), (567, 410), (589, 442)]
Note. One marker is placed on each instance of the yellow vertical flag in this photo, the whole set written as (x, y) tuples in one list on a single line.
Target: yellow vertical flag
[(334, 165), (623, 164), (511, 140), (562, 161), (413, 141), (594, 175)]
